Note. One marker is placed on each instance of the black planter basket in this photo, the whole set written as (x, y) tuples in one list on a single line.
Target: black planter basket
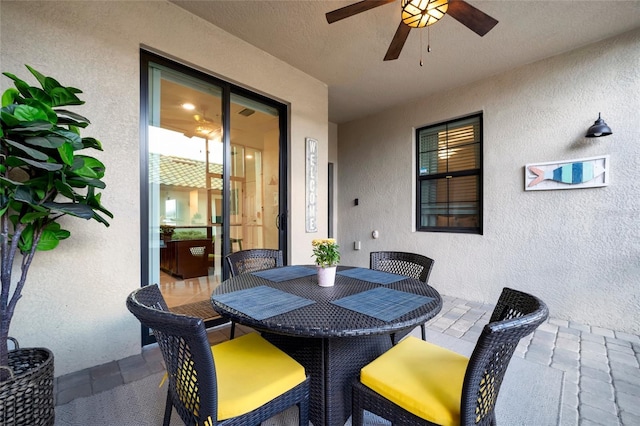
[(26, 399)]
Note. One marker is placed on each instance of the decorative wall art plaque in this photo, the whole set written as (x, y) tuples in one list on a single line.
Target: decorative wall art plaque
[(572, 174), (311, 214)]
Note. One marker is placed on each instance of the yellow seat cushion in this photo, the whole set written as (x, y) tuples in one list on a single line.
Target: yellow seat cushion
[(423, 378), (252, 372)]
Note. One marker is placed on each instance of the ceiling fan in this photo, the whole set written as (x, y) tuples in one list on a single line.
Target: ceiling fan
[(204, 124), (419, 14)]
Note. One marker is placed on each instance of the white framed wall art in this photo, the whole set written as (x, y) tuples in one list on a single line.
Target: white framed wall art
[(567, 174)]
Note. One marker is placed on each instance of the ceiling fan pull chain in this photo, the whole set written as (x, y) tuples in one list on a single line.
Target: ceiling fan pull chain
[(429, 39), (420, 48)]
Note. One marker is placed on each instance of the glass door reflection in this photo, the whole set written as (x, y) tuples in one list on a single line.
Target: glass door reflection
[(186, 163)]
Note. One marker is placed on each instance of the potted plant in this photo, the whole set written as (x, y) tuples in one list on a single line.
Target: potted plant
[(327, 258), (42, 179), (167, 231)]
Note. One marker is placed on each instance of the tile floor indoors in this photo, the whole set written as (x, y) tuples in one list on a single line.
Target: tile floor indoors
[(601, 367)]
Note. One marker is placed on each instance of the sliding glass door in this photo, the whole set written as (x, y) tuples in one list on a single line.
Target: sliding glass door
[(213, 162)]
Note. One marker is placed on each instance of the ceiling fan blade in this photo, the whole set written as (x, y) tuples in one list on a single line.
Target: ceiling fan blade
[(354, 9), (398, 42), (474, 19)]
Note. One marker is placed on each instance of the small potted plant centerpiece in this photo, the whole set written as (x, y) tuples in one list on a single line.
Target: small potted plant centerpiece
[(43, 178), (167, 231), (327, 258)]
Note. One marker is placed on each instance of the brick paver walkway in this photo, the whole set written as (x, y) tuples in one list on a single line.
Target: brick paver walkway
[(601, 367)]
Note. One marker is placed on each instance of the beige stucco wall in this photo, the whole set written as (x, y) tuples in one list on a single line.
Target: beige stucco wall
[(74, 302), (578, 249)]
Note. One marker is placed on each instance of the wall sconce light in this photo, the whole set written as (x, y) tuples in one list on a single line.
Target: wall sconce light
[(598, 129)]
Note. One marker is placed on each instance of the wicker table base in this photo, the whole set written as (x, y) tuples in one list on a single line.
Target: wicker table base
[(332, 342), (332, 363)]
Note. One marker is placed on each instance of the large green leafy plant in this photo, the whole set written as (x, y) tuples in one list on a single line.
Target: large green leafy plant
[(43, 178)]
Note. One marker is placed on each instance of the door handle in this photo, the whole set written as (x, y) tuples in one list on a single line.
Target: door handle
[(278, 221)]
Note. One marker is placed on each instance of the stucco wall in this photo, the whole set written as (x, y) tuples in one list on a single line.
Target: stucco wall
[(74, 302), (578, 249)]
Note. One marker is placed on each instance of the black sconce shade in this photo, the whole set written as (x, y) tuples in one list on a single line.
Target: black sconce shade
[(598, 129)]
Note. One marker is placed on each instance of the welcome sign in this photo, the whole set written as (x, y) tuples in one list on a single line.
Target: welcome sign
[(311, 216)]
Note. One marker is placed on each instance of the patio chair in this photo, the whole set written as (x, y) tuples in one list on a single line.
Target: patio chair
[(244, 261), (419, 383), (410, 264), (238, 382)]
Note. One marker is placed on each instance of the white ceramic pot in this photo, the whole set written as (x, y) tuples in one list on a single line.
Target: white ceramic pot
[(326, 276)]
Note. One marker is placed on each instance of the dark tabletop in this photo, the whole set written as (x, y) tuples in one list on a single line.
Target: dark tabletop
[(323, 318)]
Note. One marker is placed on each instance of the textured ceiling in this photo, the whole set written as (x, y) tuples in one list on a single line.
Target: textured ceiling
[(347, 55)]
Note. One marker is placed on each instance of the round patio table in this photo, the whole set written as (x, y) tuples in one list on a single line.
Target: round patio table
[(328, 337)]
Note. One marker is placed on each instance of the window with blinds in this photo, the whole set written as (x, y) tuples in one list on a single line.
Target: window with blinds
[(449, 176)]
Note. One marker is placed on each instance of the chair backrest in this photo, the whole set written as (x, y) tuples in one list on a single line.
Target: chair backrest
[(397, 262), (186, 353), (516, 315), (244, 261)]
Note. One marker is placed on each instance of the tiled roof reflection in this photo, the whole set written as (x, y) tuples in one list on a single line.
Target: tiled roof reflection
[(185, 172)]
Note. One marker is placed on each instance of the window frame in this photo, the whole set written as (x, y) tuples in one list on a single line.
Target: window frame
[(436, 177)]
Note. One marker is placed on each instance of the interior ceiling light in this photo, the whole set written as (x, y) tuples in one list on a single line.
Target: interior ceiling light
[(420, 13), (188, 106)]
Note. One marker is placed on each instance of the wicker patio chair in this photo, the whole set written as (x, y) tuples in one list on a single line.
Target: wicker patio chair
[(419, 383), (224, 384), (410, 264), (244, 261)]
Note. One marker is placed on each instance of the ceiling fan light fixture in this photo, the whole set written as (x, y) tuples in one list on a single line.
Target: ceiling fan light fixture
[(204, 130), (420, 13), (204, 125)]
